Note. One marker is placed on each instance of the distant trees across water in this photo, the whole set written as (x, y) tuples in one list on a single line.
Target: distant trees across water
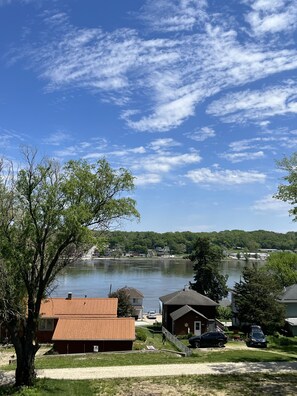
[(181, 243)]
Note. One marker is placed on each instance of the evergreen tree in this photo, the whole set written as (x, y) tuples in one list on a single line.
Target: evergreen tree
[(256, 300), (207, 279)]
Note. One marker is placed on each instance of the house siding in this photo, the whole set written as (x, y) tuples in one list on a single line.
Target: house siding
[(291, 310), (179, 327), (208, 311), (67, 347)]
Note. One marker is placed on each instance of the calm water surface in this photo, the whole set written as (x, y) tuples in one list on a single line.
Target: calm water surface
[(154, 278)]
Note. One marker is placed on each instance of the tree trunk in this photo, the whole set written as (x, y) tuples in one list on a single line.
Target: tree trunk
[(25, 371), (23, 339)]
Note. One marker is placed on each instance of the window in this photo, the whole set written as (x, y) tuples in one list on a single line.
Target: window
[(46, 325)]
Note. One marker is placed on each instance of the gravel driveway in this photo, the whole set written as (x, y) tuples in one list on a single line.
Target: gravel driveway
[(159, 370)]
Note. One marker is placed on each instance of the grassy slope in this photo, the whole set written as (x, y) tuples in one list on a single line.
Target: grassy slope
[(246, 384)]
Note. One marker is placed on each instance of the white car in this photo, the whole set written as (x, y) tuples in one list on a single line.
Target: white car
[(151, 315)]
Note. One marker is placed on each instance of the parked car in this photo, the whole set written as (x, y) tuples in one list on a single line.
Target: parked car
[(256, 337), (151, 315), (211, 338)]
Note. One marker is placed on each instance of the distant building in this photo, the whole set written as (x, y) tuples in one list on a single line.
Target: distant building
[(289, 300), (135, 299)]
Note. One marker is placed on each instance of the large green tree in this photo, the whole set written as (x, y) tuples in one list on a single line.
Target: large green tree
[(283, 267), (208, 279), (287, 192), (47, 216), (255, 298), (125, 308)]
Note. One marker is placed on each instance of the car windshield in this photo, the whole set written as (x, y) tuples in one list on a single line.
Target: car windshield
[(258, 334)]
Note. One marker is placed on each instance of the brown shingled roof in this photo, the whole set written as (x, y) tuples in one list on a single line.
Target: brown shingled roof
[(95, 329), (187, 296), (79, 307)]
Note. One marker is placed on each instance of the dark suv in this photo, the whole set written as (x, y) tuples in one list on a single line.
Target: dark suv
[(212, 338), (256, 337)]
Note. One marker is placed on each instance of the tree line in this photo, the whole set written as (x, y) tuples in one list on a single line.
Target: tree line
[(180, 243)]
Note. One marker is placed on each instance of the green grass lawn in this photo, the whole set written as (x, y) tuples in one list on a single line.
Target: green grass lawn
[(233, 385), (142, 356), (245, 384), (139, 358)]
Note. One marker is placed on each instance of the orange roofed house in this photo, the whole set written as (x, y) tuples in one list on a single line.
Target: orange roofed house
[(79, 325)]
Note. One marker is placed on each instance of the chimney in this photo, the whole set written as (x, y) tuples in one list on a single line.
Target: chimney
[(69, 297)]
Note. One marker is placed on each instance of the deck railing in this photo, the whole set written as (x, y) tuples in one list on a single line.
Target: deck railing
[(175, 341)]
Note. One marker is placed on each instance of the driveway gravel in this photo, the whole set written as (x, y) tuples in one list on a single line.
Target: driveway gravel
[(159, 370)]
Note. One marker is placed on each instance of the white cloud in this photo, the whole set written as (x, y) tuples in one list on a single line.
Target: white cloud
[(244, 156), (270, 204), (163, 144), (57, 138), (167, 115), (260, 143), (174, 15), (10, 138), (256, 105), (225, 177), (147, 178), (171, 74), (166, 163), (270, 16), (201, 134), (9, 2)]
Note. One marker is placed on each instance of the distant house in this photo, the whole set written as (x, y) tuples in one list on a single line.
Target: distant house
[(78, 325), (162, 251), (289, 299), (186, 311), (135, 299)]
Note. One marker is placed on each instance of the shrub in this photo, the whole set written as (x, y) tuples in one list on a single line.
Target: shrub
[(141, 334)]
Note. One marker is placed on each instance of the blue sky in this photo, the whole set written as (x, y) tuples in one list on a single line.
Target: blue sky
[(197, 98)]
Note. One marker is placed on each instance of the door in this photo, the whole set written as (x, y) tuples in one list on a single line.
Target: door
[(197, 328)]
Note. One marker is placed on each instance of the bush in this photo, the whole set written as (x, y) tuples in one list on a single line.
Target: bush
[(280, 340), (141, 334)]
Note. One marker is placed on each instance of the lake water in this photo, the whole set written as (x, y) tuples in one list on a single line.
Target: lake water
[(154, 278)]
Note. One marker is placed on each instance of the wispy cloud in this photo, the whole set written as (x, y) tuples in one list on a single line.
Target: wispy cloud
[(272, 16), (9, 137), (175, 15), (9, 2), (270, 204), (166, 163), (57, 138), (199, 135), (163, 144), (270, 143), (150, 164), (199, 56), (239, 157), (147, 179), (256, 105), (225, 177)]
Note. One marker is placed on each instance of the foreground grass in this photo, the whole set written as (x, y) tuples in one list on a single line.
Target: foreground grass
[(235, 385), (148, 337), (143, 358)]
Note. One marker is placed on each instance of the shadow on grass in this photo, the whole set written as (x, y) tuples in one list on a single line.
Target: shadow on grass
[(255, 367)]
